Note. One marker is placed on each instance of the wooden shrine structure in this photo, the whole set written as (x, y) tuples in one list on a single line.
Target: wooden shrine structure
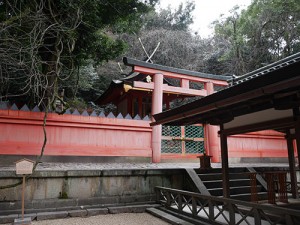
[(151, 87), (267, 98)]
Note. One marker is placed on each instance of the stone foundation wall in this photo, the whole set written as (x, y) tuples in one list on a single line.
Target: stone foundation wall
[(52, 189)]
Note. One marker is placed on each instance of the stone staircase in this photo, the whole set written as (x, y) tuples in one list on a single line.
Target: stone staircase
[(210, 182)]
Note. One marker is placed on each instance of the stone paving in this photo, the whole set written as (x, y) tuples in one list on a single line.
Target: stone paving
[(46, 166)]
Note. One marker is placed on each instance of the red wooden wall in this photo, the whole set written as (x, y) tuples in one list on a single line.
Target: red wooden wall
[(260, 144), (21, 133)]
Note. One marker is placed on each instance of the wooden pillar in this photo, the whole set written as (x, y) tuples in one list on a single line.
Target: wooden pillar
[(291, 157), (297, 132), (157, 101), (212, 139), (224, 159), (185, 83)]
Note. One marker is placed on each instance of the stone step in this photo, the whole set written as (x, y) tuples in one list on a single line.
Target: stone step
[(218, 176), (239, 183), (247, 196), (232, 183), (234, 190), (219, 170)]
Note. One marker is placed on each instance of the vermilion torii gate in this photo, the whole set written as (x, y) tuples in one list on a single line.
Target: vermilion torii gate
[(150, 87)]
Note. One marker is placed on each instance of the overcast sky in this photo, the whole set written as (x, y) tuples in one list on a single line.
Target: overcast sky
[(207, 11)]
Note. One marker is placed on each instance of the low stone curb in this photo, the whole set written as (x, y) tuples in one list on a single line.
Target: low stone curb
[(52, 215), (31, 215), (24, 221), (97, 211), (129, 209), (8, 218), (78, 213)]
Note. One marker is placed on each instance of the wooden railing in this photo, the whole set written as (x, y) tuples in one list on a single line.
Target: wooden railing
[(289, 187), (220, 211)]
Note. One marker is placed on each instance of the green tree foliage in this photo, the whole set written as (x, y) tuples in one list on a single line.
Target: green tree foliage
[(265, 32), (45, 42), (50, 45), (275, 24)]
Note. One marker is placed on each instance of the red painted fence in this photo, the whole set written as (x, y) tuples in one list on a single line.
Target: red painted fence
[(21, 133), (261, 144)]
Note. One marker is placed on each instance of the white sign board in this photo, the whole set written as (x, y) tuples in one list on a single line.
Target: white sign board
[(24, 166)]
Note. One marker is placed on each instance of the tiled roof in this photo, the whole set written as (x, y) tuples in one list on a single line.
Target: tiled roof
[(266, 69), (134, 62)]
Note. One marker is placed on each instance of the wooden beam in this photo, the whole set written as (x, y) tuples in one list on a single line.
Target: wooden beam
[(272, 124), (287, 102), (292, 83), (225, 167), (185, 91), (296, 113), (224, 115), (195, 110), (224, 118), (291, 157), (171, 89), (184, 83)]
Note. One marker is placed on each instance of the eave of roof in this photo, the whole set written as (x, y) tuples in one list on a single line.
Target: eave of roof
[(255, 87), (134, 62)]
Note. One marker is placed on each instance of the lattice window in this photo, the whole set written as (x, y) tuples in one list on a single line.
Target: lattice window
[(190, 142), (171, 146), (194, 146), (171, 131), (168, 145), (194, 131)]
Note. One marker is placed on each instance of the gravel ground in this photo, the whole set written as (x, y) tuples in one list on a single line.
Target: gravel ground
[(109, 219)]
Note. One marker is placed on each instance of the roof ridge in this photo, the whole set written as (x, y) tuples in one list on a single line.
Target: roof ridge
[(134, 62)]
